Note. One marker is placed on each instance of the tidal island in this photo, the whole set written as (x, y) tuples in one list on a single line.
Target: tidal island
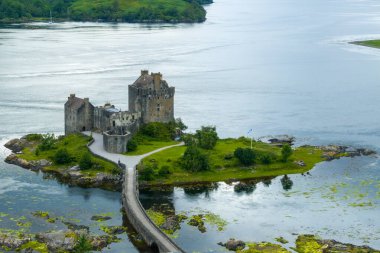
[(368, 43), (146, 146)]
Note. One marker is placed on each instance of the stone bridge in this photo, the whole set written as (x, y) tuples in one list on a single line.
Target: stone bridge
[(153, 236)]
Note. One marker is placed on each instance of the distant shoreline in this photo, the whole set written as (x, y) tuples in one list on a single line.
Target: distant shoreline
[(367, 43)]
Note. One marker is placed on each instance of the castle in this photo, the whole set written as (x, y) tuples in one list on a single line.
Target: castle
[(150, 99)]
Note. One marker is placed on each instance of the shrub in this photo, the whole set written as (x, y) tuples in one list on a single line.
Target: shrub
[(47, 143), (164, 171), (85, 161), (246, 156), (82, 245), (207, 137), (189, 140), (34, 137), (286, 152), (266, 158), (193, 160), (132, 145), (62, 156), (146, 173)]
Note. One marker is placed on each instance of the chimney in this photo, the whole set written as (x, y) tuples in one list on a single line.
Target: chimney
[(157, 80), (86, 100), (144, 72), (72, 95)]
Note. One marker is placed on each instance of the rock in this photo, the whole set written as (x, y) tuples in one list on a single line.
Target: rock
[(75, 174), (13, 159), (114, 230), (233, 244), (39, 164), (197, 221), (282, 139), (57, 241), (13, 242), (100, 218), (300, 163), (16, 145), (75, 168), (74, 226), (303, 241)]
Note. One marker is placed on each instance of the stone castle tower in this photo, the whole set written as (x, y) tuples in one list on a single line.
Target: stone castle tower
[(152, 96), (79, 115)]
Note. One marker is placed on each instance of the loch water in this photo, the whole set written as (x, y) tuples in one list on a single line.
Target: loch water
[(278, 67)]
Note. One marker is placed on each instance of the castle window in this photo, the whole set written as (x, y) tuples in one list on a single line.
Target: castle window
[(133, 117), (158, 107), (113, 123)]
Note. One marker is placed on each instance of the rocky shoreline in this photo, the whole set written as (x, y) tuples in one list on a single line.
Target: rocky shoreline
[(71, 176)]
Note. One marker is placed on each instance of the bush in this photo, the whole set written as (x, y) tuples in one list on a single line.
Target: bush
[(132, 145), (286, 152), (266, 158), (193, 160), (62, 156), (146, 173), (164, 171), (47, 143), (207, 137), (34, 137), (246, 156), (85, 161), (189, 140)]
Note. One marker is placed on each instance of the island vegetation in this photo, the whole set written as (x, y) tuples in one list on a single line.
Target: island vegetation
[(368, 43), (146, 11), (66, 157), (206, 158)]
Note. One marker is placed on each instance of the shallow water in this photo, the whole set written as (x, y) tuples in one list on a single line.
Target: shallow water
[(274, 66)]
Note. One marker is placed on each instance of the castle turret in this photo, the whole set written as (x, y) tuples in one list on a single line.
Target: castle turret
[(152, 96)]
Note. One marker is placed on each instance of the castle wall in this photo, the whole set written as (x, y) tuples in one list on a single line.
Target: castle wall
[(115, 143)]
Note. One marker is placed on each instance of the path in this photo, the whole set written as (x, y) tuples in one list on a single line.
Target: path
[(136, 213)]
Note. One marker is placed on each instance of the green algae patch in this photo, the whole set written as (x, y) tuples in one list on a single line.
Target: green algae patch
[(215, 220), (41, 214), (308, 244), (158, 218), (197, 221), (361, 204), (35, 246), (281, 240), (263, 247)]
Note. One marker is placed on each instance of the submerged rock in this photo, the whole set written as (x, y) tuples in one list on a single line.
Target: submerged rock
[(13, 241), (233, 244), (100, 218), (114, 230)]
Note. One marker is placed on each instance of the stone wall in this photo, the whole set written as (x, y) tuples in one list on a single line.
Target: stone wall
[(115, 143)]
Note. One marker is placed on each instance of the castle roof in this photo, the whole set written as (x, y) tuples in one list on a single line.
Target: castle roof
[(144, 80), (75, 103)]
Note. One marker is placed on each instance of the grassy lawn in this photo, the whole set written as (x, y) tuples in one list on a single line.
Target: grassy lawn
[(224, 168), (368, 43), (76, 145), (148, 146)]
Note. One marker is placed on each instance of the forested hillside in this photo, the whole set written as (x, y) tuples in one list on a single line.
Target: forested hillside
[(104, 10)]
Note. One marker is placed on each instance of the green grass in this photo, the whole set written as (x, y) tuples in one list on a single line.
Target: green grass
[(368, 43), (76, 145), (148, 146), (223, 169)]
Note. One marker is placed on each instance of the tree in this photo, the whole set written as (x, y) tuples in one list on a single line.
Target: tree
[(207, 137), (62, 156), (48, 142), (146, 172), (246, 156), (132, 145), (286, 152), (193, 160), (85, 161)]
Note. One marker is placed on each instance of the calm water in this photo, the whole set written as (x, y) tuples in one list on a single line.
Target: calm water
[(274, 66)]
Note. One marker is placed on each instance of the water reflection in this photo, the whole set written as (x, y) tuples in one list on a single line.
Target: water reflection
[(287, 183)]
